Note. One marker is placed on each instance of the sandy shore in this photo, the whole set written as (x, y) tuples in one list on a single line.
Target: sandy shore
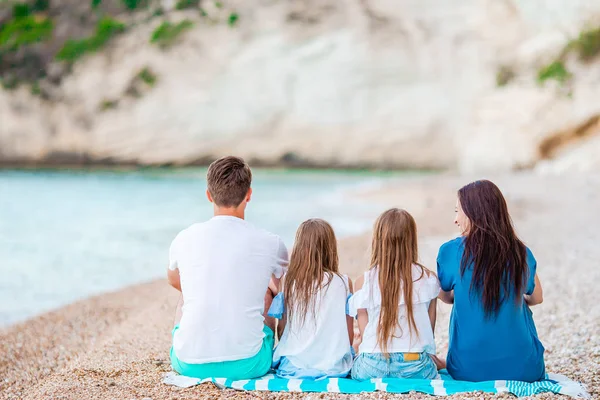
[(116, 345)]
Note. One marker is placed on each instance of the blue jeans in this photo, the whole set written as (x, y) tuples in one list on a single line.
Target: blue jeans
[(375, 365)]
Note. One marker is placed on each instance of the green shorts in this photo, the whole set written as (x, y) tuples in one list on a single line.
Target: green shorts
[(247, 368)]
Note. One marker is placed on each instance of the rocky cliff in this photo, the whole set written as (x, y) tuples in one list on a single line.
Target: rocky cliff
[(474, 85)]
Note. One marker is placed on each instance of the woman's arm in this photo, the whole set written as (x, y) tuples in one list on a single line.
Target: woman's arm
[(446, 297), (537, 297)]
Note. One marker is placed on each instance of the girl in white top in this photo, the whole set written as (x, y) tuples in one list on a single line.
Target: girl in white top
[(316, 334), (395, 303)]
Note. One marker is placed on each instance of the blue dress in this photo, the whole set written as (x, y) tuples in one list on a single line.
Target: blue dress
[(505, 347)]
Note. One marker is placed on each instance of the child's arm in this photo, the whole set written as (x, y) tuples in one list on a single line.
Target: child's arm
[(281, 325), (446, 297), (275, 285), (278, 287), (362, 319), (362, 316), (349, 319), (537, 297), (432, 313), (173, 278)]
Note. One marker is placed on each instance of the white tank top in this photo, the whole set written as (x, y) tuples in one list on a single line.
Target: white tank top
[(368, 297), (321, 342)]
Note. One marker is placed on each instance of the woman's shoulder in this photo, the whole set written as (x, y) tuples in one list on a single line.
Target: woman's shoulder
[(452, 244), (451, 248)]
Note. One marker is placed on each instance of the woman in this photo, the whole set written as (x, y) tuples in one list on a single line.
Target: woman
[(489, 276)]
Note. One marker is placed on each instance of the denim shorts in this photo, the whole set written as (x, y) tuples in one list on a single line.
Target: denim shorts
[(375, 365)]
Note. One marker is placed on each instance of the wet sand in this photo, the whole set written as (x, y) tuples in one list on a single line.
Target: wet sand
[(116, 345)]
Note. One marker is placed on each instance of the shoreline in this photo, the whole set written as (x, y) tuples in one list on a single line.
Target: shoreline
[(81, 163), (115, 345)]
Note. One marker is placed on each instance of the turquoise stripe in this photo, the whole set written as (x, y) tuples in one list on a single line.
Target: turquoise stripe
[(391, 385), (309, 385), (250, 385), (353, 387)]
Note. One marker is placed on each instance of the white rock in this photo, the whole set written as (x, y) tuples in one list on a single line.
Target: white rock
[(385, 83)]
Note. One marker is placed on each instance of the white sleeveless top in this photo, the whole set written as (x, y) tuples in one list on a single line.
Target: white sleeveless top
[(321, 342), (368, 297)]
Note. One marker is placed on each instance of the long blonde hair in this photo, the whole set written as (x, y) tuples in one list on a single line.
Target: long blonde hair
[(394, 251), (314, 257)]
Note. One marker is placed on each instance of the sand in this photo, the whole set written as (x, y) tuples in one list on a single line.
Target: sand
[(116, 345)]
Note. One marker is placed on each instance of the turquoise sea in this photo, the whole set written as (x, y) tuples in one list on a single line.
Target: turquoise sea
[(66, 235)]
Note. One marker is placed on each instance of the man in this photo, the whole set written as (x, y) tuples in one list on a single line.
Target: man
[(228, 272)]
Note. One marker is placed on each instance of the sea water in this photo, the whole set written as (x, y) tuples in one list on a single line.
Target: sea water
[(66, 235)]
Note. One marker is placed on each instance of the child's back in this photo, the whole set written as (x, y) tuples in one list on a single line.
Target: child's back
[(425, 289), (316, 339), (318, 344), (395, 304)]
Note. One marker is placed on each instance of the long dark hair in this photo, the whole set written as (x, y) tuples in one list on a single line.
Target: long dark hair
[(492, 248)]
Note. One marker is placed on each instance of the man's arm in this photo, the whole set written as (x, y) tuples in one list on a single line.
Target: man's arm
[(173, 278)]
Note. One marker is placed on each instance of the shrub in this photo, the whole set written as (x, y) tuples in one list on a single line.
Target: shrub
[(587, 45), (106, 29), (133, 4), (147, 76), (35, 89), (20, 10), (24, 30), (233, 18), (183, 4), (106, 105), (166, 34), (504, 76), (556, 71), (40, 5)]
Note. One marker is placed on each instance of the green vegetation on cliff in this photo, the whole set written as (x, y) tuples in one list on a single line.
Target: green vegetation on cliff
[(106, 29), (555, 70), (24, 30), (166, 34), (587, 45)]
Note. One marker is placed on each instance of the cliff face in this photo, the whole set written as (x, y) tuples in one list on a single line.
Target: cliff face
[(389, 83)]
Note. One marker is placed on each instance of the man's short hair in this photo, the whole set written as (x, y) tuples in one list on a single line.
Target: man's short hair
[(229, 180)]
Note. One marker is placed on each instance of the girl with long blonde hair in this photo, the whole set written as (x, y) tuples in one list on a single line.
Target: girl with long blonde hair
[(316, 334), (395, 303)]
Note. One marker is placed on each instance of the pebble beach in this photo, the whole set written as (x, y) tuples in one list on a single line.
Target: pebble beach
[(116, 345)]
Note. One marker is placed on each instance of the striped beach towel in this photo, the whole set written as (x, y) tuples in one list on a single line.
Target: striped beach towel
[(555, 383)]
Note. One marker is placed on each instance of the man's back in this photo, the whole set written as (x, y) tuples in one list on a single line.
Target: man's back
[(225, 266)]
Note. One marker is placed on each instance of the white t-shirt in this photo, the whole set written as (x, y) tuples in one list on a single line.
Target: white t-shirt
[(225, 265), (322, 342), (368, 297)]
